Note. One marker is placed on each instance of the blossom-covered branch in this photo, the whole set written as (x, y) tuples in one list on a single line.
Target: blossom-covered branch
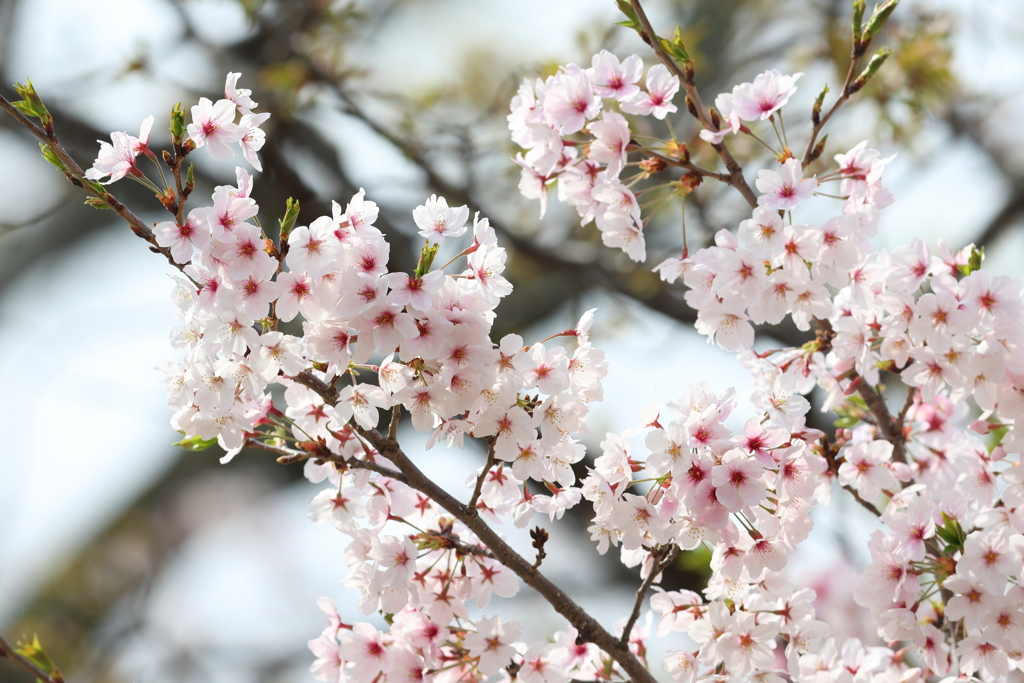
[(700, 112)]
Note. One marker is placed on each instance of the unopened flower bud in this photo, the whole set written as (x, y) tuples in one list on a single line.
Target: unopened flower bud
[(652, 165), (981, 427), (690, 107)]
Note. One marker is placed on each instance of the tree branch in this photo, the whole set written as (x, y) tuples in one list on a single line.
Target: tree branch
[(833, 467), (884, 421), (890, 430), (663, 557), (858, 49), (76, 174), (289, 456), (735, 176), (589, 628), (902, 417), (326, 391), (8, 652), (483, 474), (396, 417)]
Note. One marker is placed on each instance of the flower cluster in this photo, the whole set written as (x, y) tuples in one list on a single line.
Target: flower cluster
[(945, 569), (547, 112), (319, 314), (429, 332)]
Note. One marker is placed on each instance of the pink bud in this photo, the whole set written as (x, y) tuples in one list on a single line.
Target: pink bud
[(997, 454), (981, 427)]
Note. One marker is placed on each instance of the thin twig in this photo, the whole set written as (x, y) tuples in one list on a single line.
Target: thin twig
[(326, 391), (856, 52), (690, 166), (8, 652), (735, 175), (884, 421), (76, 174), (663, 557), (483, 475), (902, 417)]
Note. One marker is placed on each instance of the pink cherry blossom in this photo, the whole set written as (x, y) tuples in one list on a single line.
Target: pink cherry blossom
[(769, 92), (436, 221), (213, 126), (612, 78), (661, 88), (784, 189)]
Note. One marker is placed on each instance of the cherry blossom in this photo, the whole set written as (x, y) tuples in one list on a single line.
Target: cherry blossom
[(785, 189), (657, 101), (768, 93), (436, 221), (213, 126)]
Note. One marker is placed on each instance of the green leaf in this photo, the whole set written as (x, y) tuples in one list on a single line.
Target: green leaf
[(878, 18), (973, 262), (632, 21), (52, 157), (291, 214), (818, 102), (675, 48), (677, 40), (97, 203), (858, 18), (427, 255), (952, 533), (195, 443), (873, 66), (846, 422), (32, 105), (177, 126), (34, 653)]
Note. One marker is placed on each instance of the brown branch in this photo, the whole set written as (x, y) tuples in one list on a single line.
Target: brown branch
[(467, 549), (483, 475), (663, 557), (588, 627), (833, 466), (890, 430), (688, 165), (857, 51), (735, 175), (902, 417), (396, 417), (289, 456), (884, 421), (326, 391), (8, 652), (75, 176)]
